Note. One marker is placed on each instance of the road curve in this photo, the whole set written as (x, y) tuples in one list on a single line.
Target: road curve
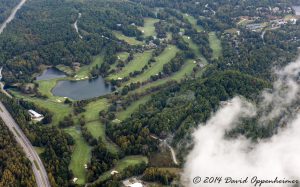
[(38, 168)]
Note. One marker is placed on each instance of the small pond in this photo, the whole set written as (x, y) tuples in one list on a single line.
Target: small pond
[(50, 73), (81, 90)]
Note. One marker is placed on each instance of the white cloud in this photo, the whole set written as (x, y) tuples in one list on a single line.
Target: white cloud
[(215, 156)]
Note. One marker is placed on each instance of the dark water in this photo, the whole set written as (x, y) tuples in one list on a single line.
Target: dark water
[(80, 90), (51, 73)]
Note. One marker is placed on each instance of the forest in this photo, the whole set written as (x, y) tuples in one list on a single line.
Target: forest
[(57, 143), (15, 168), (5, 8)]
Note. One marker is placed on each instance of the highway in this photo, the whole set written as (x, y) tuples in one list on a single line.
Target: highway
[(38, 168)]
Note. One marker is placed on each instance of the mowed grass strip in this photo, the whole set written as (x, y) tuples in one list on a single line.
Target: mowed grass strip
[(186, 70), (84, 71), (93, 109), (97, 129), (129, 40), (215, 45), (195, 49), (121, 56), (94, 125), (192, 20), (139, 61), (123, 164), (149, 28), (81, 155), (132, 108), (156, 67)]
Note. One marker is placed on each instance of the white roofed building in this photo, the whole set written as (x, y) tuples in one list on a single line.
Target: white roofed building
[(35, 116)]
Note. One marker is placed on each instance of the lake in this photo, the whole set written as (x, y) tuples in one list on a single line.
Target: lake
[(81, 90), (297, 10), (51, 73)]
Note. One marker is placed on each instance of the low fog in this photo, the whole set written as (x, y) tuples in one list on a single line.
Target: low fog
[(215, 156)]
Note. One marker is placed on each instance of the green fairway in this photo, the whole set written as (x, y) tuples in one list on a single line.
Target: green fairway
[(59, 110), (84, 71), (45, 88), (149, 28), (139, 61), (97, 129), (195, 49), (130, 161), (157, 66), (215, 45), (129, 40), (122, 164), (94, 126), (121, 56), (192, 20), (133, 107), (93, 109), (185, 70), (81, 155)]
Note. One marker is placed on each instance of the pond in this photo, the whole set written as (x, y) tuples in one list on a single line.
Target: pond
[(297, 10), (50, 73), (81, 90)]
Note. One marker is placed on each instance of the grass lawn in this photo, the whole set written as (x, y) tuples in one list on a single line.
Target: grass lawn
[(129, 40), (59, 110), (215, 45), (149, 28), (122, 164), (39, 150), (97, 129), (81, 155), (132, 108), (139, 61), (157, 67), (192, 20), (93, 109)]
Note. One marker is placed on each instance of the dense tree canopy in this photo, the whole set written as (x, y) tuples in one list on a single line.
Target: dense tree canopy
[(15, 168)]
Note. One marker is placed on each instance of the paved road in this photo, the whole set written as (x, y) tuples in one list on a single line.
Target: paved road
[(12, 15), (38, 168)]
